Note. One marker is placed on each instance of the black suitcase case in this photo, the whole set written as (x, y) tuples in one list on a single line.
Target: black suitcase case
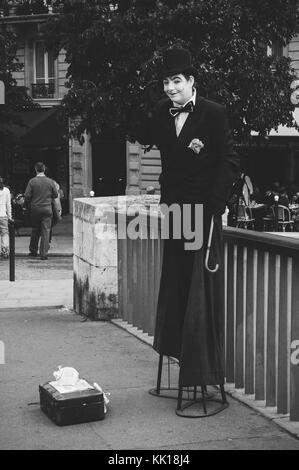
[(73, 407)]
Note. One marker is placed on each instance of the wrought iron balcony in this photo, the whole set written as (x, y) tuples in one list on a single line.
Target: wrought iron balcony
[(43, 90), (31, 10)]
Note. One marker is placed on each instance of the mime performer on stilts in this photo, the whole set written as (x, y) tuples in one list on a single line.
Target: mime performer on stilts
[(199, 166)]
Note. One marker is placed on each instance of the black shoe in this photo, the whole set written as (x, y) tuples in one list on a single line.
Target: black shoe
[(44, 257), (32, 254)]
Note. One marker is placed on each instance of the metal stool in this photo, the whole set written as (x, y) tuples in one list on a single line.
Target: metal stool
[(207, 401)]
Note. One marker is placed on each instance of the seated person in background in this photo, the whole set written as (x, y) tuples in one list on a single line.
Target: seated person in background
[(283, 197), (269, 197), (257, 195)]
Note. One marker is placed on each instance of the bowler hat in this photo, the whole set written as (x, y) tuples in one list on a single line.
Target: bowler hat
[(177, 61)]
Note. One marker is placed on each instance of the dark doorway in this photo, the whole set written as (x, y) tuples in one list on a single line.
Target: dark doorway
[(266, 165), (109, 167)]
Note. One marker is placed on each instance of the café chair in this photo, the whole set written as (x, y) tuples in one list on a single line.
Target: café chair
[(268, 221), (244, 217)]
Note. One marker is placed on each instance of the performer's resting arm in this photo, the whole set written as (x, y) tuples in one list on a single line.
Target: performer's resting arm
[(226, 163)]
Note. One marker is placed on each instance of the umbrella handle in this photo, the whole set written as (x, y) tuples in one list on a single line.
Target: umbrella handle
[(211, 270)]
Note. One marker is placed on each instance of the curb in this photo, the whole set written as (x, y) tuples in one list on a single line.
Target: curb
[(50, 255)]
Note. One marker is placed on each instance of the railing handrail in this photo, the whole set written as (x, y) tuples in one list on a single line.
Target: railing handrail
[(262, 240)]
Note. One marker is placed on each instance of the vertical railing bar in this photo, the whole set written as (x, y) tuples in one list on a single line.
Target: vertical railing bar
[(249, 355), (266, 284), (282, 362), (277, 294), (235, 304), (239, 367), (230, 314), (152, 285), (225, 301), (294, 344), (141, 280), (255, 287), (271, 353), (244, 307), (147, 274), (260, 328), (289, 327), (120, 277)]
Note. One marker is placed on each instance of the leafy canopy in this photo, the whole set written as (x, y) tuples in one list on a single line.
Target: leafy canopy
[(15, 97), (114, 50)]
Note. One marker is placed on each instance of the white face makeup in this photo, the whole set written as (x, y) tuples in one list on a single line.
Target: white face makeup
[(178, 88)]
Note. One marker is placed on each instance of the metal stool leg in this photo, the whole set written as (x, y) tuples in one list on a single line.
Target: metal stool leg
[(223, 394), (203, 400), (180, 398), (159, 374)]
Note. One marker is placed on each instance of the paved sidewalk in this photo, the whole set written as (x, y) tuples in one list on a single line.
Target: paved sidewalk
[(36, 293), (38, 340), (41, 292)]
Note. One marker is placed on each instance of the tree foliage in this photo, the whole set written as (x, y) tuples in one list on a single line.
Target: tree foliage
[(114, 50), (15, 97)]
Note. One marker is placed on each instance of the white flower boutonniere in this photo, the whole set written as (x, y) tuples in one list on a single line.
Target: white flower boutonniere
[(196, 145)]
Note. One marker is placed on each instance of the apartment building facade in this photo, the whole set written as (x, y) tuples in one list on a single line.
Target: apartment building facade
[(79, 168)]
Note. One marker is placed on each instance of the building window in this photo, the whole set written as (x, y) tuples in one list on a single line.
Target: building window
[(44, 73), (275, 50)]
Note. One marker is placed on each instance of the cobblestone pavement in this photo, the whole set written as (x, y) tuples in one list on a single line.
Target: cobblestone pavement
[(33, 268)]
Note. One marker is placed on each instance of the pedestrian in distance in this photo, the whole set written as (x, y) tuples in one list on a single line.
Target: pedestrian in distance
[(5, 218), (39, 195), (199, 166)]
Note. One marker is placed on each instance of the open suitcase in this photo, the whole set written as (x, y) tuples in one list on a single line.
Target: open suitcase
[(71, 408)]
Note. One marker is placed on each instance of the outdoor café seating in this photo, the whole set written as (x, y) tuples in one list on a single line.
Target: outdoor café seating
[(284, 218), (244, 217)]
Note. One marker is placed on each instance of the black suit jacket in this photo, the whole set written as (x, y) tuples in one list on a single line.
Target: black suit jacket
[(188, 177)]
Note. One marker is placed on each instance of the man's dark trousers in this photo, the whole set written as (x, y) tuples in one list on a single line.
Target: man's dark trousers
[(41, 219)]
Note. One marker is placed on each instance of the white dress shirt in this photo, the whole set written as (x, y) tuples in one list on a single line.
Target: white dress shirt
[(181, 118)]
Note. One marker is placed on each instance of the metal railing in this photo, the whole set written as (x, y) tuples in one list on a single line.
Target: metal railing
[(261, 308)]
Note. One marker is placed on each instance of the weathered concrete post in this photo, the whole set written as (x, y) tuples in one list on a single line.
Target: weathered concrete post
[(95, 258)]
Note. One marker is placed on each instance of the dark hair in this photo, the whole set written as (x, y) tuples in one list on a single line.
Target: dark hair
[(186, 76), (40, 167)]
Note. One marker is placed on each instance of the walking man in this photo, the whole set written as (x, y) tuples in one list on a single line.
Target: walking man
[(5, 216), (39, 194)]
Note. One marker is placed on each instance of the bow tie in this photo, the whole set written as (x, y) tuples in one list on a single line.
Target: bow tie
[(188, 108)]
